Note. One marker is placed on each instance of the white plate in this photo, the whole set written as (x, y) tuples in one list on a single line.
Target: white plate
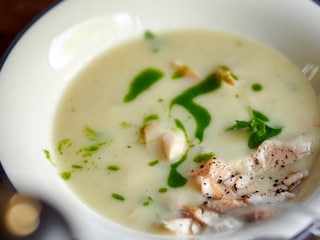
[(62, 41)]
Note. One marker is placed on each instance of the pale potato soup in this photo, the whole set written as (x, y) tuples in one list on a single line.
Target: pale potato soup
[(193, 85)]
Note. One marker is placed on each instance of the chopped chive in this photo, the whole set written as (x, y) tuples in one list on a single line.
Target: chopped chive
[(162, 190), (48, 156), (257, 87), (118, 196), (113, 168), (88, 151), (153, 163), (76, 166), (64, 144)]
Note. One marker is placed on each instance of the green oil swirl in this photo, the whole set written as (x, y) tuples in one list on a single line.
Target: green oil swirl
[(145, 79), (199, 113)]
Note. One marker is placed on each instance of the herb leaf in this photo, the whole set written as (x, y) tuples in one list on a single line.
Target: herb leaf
[(260, 131), (255, 139)]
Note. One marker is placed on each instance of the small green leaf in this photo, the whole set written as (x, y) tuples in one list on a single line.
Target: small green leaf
[(255, 139), (240, 124), (257, 114), (260, 131)]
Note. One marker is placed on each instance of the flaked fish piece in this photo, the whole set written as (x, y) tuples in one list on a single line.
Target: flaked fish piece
[(294, 179), (223, 205), (171, 143), (215, 169), (184, 70), (226, 187), (269, 197), (274, 154), (226, 75), (183, 226)]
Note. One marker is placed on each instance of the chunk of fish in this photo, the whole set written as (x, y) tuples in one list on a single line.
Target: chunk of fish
[(277, 154), (226, 187), (185, 70), (183, 226), (171, 143)]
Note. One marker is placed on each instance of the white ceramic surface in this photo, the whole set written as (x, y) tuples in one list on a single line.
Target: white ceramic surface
[(63, 40)]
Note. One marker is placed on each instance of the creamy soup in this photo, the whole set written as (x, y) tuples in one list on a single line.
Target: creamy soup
[(139, 119)]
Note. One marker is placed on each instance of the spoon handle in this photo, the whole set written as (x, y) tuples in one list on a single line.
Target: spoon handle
[(312, 231)]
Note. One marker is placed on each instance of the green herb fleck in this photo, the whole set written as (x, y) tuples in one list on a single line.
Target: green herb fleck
[(260, 131), (145, 79), (153, 40), (153, 163), (151, 117), (149, 35), (88, 151), (257, 87), (93, 135), (175, 179), (118, 196), (125, 125), (182, 128), (203, 157), (113, 168), (76, 166), (48, 156), (162, 190), (148, 201), (65, 175), (64, 144)]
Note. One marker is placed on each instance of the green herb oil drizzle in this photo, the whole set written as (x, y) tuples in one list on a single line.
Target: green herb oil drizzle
[(199, 113), (175, 179), (142, 82)]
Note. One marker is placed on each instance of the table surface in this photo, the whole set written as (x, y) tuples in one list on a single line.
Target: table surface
[(15, 15)]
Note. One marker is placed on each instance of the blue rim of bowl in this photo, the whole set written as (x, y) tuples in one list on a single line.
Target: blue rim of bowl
[(3, 176)]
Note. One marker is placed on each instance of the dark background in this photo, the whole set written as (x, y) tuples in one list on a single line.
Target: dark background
[(15, 15)]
